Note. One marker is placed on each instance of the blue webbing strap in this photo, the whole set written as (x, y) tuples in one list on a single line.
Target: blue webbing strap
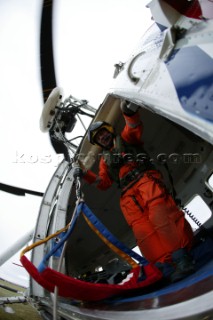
[(109, 236), (42, 265)]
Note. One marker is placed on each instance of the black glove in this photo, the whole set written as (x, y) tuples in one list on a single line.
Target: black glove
[(128, 108)]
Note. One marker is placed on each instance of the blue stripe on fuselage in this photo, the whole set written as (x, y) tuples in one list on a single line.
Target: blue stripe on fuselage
[(191, 70)]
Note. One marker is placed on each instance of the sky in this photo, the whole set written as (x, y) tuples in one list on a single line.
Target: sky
[(89, 38)]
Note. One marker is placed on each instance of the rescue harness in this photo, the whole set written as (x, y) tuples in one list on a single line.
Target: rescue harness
[(79, 289), (122, 154)]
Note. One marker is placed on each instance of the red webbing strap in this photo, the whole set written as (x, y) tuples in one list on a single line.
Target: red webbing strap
[(87, 291), (31, 269)]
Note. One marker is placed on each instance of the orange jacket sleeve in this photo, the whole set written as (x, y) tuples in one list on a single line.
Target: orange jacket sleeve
[(133, 129), (102, 180)]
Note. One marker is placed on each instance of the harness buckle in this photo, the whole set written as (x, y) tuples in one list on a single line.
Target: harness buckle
[(132, 176)]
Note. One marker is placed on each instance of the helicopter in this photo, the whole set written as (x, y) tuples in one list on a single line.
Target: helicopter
[(169, 77)]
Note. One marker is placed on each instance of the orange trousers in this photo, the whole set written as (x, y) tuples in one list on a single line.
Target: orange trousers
[(160, 228)]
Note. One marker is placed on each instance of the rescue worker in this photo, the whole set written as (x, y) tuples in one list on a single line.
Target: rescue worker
[(162, 233)]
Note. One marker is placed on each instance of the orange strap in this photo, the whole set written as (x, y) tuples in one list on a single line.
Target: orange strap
[(122, 254)]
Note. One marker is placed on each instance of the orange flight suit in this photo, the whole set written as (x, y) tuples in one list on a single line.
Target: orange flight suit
[(157, 223)]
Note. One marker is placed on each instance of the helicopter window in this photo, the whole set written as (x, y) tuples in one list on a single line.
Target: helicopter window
[(137, 250), (99, 269), (210, 181), (197, 212)]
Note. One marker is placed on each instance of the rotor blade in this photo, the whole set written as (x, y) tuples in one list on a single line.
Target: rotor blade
[(48, 78), (19, 191)]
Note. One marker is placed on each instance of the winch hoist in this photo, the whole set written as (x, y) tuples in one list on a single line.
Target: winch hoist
[(60, 117)]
